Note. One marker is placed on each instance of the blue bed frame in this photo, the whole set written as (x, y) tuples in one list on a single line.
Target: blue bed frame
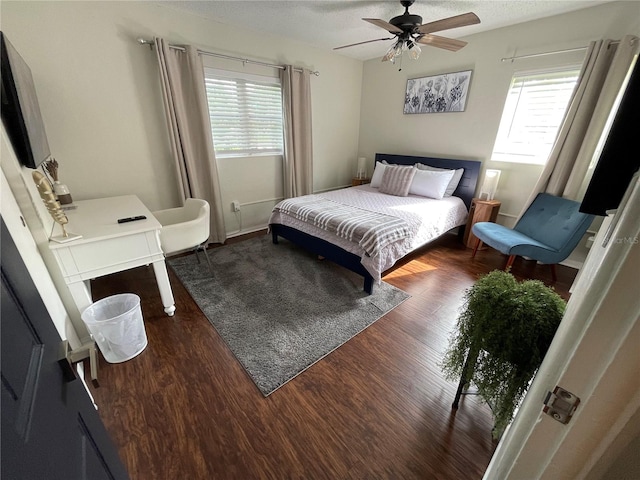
[(466, 189)]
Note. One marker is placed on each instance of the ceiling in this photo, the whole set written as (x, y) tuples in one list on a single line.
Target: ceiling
[(328, 24)]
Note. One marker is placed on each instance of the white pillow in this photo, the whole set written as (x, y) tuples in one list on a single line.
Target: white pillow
[(429, 183), (376, 178), (453, 183)]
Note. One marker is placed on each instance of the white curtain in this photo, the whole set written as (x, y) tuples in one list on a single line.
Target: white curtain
[(298, 148), (603, 72), (185, 105)]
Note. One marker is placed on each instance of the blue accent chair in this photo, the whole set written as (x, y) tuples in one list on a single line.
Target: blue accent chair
[(547, 232)]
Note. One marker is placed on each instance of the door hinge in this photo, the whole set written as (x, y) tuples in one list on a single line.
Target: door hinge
[(560, 404)]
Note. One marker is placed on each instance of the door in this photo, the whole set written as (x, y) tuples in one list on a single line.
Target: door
[(50, 428)]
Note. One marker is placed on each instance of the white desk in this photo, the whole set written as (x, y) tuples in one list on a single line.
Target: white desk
[(108, 247)]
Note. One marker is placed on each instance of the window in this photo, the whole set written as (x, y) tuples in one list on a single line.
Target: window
[(245, 113), (534, 109)]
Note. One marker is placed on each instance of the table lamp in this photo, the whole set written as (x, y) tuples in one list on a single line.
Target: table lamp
[(490, 184), (362, 167)]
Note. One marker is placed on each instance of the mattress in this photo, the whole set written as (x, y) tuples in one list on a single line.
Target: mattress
[(427, 219)]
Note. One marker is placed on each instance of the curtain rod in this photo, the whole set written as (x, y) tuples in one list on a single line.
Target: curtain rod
[(543, 54), (151, 43), (551, 53)]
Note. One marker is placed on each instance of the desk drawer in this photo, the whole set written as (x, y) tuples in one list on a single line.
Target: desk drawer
[(88, 260)]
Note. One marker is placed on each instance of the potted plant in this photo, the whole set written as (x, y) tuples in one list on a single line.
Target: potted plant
[(502, 334)]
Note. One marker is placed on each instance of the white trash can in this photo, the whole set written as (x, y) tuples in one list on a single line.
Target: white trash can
[(117, 326)]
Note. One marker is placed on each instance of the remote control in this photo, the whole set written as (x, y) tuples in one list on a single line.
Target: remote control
[(131, 219)]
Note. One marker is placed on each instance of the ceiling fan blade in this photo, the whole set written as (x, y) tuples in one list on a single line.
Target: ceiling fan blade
[(360, 43), (451, 22), (441, 42), (382, 24)]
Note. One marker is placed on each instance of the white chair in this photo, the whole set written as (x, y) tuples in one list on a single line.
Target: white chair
[(185, 228)]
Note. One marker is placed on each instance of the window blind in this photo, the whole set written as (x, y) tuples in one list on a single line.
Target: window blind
[(533, 112), (245, 113)]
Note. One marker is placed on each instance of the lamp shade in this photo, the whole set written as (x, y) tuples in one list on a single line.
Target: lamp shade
[(362, 167), (490, 184)]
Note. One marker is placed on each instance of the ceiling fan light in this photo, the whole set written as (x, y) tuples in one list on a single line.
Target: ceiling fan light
[(390, 55), (415, 51)]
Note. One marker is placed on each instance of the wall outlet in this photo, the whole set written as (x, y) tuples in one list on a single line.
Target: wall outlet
[(235, 206)]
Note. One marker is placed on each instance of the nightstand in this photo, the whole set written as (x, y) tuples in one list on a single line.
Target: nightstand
[(359, 181), (480, 211)]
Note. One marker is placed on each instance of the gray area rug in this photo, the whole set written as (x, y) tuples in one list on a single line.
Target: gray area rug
[(278, 307)]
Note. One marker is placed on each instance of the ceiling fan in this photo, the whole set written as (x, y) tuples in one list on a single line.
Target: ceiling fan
[(409, 31)]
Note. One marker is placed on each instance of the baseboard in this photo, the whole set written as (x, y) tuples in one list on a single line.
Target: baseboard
[(572, 263), (246, 232)]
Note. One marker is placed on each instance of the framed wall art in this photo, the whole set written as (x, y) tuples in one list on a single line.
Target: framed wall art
[(437, 94)]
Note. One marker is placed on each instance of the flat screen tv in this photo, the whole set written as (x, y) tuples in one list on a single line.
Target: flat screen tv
[(19, 108), (620, 158)]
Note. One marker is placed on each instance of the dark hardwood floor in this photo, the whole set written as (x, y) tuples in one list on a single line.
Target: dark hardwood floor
[(376, 408)]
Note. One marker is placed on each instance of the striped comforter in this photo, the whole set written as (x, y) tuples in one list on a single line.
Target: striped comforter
[(372, 231)]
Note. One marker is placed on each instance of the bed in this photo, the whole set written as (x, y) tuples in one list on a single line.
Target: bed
[(410, 222)]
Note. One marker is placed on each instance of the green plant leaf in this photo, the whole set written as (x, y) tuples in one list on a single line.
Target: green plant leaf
[(509, 326)]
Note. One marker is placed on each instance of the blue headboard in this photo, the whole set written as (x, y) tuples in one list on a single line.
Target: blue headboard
[(467, 186)]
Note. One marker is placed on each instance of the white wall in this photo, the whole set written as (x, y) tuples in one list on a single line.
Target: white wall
[(100, 98), (471, 134), (29, 224)]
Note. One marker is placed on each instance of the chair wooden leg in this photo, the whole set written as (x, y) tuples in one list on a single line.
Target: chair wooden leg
[(554, 275), (509, 262), (476, 247)]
